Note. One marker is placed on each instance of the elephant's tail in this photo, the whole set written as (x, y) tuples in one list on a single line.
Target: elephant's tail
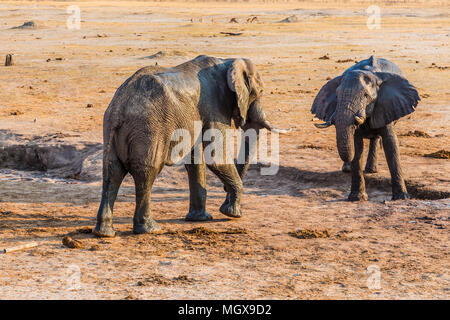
[(109, 153)]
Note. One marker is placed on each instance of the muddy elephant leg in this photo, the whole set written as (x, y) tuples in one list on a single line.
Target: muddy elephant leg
[(358, 189), (347, 167), (229, 176), (390, 146), (112, 178), (144, 177), (197, 193), (242, 164), (372, 157)]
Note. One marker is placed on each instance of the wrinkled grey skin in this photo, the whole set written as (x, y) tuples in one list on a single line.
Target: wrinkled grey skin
[(364, 102), (147, 109)]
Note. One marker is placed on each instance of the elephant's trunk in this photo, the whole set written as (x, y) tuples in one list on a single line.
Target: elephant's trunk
[(345, 131), (345, 143)]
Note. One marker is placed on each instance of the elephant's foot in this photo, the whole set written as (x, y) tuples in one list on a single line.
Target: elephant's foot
[(148, 227), (347, 167), (358, 196), (198, 215), (231, 210), (400, 196), (104, 231), (370, 169)]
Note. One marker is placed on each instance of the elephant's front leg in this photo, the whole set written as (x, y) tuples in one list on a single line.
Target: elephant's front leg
[(242, 163), (358, 189), (390, 145), (229, 176), (372, 157), (197, 190)]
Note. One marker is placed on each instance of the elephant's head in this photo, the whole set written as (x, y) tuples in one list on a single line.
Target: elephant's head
[(361, 97), (247, 84)]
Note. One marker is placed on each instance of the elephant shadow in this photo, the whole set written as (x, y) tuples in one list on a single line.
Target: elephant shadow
[(329, 185)]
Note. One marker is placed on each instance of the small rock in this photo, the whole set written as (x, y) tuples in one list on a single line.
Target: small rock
[(27, 25), (290, 19), (94, 247), (89, 105), (16, 113)]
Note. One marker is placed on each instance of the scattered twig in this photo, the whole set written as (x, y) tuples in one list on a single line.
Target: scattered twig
[(232, 33), (21, 247)]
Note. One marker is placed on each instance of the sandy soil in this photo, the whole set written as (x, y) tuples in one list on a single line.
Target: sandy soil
[(58, 72)]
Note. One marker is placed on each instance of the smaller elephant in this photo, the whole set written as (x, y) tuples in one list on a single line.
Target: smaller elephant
[(365, 102)]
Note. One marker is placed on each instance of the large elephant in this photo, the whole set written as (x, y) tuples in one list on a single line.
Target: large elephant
[(364, 102), (149, 107)]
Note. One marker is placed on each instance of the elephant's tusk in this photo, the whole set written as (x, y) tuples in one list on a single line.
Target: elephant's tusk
[(323, 125), (359, 120), (281, 131), (266, 124), (326, 124)]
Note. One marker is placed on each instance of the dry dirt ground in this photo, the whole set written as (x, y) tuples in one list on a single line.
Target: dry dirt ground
[(298, 238)]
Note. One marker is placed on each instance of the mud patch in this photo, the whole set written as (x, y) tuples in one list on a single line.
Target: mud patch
[(310, 234), (441, 154), (312, 146), (345, 60), (50, 154), (202, 231), (158, 279), (416, 133), (71, 243)]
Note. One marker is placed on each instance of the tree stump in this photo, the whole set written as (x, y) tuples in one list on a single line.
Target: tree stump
[(9, 60)]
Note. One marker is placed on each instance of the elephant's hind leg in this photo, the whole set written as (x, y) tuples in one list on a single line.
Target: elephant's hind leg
[(372, 157), (112, 178), (390, 145), (197, 193), (144, 177)]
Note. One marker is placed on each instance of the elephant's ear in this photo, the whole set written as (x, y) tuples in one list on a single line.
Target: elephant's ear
[(238, 82), (325, 102), (396, 98)]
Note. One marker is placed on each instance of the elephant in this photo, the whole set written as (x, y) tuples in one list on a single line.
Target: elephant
[(365, 102), (150, 106)]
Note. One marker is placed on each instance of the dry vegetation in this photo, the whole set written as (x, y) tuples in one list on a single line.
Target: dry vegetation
[(297, 238)]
